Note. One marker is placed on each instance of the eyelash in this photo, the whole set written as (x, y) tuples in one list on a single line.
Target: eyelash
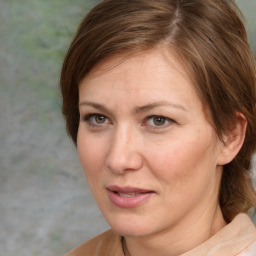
[(99, 125), (90, 123), (166, 119)]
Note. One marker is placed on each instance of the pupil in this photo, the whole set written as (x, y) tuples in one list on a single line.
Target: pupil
[(159, 121), (100, 119)]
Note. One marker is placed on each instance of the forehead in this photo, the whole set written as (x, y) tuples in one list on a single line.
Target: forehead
[(138, 79), (153, 64)]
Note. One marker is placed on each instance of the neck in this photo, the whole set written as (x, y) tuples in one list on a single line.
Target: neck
[(178, 239)]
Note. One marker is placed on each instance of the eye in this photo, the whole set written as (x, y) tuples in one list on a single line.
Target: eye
[(158, 121), (99, 119), (96, 119)]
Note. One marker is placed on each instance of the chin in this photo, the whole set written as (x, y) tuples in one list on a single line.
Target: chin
[(130, 231), (131, 226)]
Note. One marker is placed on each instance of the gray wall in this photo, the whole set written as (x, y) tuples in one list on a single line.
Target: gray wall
[(45, 205)]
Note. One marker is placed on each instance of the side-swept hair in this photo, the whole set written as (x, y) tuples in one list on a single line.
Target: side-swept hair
[(209, 37)]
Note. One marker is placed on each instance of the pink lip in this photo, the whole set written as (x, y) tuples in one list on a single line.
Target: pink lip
[(128, 202)]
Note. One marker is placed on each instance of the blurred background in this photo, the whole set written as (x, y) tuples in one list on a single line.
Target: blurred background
[(45, 205)]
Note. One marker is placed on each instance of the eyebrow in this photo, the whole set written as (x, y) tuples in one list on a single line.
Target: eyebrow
[(139, 109), (95, 105), (150, 106)]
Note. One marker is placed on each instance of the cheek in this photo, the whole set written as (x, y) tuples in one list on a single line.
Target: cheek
[(91, 155), (184, 163)]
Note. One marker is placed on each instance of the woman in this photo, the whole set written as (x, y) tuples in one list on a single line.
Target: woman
[(160, 99)]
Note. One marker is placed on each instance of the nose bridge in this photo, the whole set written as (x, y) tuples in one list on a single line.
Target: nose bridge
[(124, 153)]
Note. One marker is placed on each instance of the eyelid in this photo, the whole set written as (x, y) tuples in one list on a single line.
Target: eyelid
[(169, 120), (86, 118)]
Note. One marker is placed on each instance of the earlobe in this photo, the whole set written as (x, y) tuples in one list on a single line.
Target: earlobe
[(233, 141)]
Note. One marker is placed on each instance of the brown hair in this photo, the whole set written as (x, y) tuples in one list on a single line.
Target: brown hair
[(209, 36)]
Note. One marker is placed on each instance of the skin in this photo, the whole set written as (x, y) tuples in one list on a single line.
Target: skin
[(180, 158)]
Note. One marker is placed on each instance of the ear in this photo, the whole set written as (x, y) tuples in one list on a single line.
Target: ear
[(233, 141)]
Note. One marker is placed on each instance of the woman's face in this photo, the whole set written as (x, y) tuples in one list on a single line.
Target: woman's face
[(149, 154)]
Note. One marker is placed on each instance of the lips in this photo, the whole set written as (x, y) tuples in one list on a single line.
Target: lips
[(128, 197)]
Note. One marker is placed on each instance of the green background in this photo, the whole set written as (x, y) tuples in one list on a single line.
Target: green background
[(45, 205)]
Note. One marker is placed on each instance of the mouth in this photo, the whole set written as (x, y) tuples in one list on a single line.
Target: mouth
[(127, 191), (128, 197), (127, 194)]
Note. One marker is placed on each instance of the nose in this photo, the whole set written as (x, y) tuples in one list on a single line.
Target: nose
[(124, 154)]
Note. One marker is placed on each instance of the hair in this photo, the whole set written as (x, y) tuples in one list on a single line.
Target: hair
[(210, 39)]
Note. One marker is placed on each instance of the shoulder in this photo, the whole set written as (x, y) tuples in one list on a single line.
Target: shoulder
[(249, 251), (247, 235), (107, 243)]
